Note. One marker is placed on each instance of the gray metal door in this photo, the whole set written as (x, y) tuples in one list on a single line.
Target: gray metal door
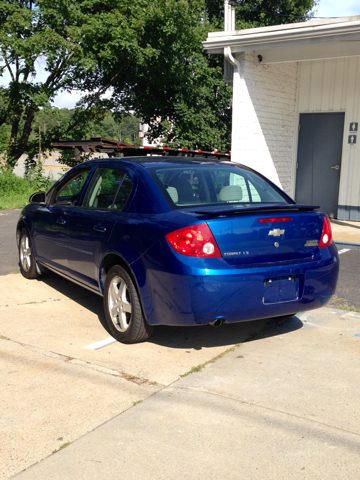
[(319, 160)]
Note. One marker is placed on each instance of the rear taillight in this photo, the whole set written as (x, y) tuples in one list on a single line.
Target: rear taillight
[(326, 235), (194, 241)]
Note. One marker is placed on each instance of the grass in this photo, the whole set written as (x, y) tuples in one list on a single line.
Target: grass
[(15, 191), (33, 303), (198, 368), (14, 200), (342, 304), (62, 447)]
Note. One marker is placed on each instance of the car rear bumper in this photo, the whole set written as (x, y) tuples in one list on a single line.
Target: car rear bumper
[(198, 296)]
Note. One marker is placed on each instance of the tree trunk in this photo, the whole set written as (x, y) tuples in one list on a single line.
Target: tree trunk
[(17, 149), (12, 157), (27, 128)]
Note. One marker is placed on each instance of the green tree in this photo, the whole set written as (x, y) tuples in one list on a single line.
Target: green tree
[(169, 81), (260, 13), (4, 137), (173, 85), (146, 55), (27, 34), (63, 37)]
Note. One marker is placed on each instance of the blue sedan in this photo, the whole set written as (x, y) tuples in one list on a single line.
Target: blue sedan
[(179, 241)]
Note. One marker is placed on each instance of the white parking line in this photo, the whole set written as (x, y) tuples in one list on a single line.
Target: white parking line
[(101, 344), (344, 250)]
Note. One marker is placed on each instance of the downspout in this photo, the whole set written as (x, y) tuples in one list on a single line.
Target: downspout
[(229, 56), (229, 25)]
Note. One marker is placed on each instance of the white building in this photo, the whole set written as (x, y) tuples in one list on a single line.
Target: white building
[(296, 107)]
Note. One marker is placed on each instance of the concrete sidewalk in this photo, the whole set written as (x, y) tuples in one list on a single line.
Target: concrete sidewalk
[(346, 231), (284, 405), (62, 375)]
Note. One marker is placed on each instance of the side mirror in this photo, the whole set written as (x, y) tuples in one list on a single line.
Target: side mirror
[(38, 197)]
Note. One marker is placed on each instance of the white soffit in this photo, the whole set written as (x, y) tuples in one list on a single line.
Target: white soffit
[(292, 42), (317, 51)]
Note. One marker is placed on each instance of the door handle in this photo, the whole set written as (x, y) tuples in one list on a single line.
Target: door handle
[(336, 167), (61, 221), (99, 228)]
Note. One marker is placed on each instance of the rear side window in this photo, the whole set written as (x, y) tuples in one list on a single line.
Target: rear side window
[(213, 184), (110, 189), (123, 193)]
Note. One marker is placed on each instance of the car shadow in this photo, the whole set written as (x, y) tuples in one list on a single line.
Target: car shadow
[(206, 336), (80, 295), (197, 338)]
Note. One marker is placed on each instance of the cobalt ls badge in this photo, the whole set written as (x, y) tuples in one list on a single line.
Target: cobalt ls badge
[(311, 243)]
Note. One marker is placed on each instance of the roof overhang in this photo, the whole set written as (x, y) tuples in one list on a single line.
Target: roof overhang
[(311, 40)]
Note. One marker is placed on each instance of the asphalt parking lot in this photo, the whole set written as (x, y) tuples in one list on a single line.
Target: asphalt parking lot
[(347, 294), (347, 291), (9, 254), (270, 400)]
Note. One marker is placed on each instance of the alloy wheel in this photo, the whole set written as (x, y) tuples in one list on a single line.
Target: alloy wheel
[(119, 301), (25, 253)]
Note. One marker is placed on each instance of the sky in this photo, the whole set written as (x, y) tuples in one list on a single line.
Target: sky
[(337, 8), (325, 8)]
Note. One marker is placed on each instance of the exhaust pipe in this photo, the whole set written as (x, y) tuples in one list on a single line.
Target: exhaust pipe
[(216, 323)]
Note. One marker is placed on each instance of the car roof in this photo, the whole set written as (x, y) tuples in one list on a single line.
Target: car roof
[(152, 161)]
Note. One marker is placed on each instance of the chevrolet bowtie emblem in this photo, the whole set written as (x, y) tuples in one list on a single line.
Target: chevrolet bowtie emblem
[(276, 232)]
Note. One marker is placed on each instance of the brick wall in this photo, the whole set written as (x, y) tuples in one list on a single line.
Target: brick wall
[(264, 118)]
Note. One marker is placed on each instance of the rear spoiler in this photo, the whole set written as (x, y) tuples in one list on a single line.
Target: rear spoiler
[(276, 208)]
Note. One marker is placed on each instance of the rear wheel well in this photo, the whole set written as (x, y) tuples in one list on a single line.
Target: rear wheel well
[(110, 261)]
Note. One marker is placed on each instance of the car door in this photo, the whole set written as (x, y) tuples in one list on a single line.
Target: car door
[(50, 223), (92, 223)]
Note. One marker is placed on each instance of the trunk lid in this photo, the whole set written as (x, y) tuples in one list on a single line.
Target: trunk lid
[(248, 239)]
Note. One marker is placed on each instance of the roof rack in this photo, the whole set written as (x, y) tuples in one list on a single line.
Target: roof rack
[(114, 149)]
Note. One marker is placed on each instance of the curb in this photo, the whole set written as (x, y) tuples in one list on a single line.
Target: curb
[(350, 245)]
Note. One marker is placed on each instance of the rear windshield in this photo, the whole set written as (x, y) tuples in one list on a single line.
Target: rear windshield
[(213, 185)]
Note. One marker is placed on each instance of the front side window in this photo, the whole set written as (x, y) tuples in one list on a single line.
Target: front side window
[(213, 184), (110, 189), (70, 192)]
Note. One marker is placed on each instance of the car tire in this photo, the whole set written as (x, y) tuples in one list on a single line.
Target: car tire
[(123, 312), (27, 263)]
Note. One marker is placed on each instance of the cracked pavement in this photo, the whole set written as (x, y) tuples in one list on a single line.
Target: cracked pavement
[(55, 390), (282, 405)]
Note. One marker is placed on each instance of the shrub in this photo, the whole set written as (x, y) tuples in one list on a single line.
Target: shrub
[(15, 191), (12, 184)]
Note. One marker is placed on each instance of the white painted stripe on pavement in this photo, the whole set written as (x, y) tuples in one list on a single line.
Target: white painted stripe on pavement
[(101, 344), (344, 250)]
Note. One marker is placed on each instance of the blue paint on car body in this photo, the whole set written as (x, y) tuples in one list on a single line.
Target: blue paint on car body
[(269, 265)]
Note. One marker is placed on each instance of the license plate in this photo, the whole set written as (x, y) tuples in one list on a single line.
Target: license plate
[(281, 290)]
